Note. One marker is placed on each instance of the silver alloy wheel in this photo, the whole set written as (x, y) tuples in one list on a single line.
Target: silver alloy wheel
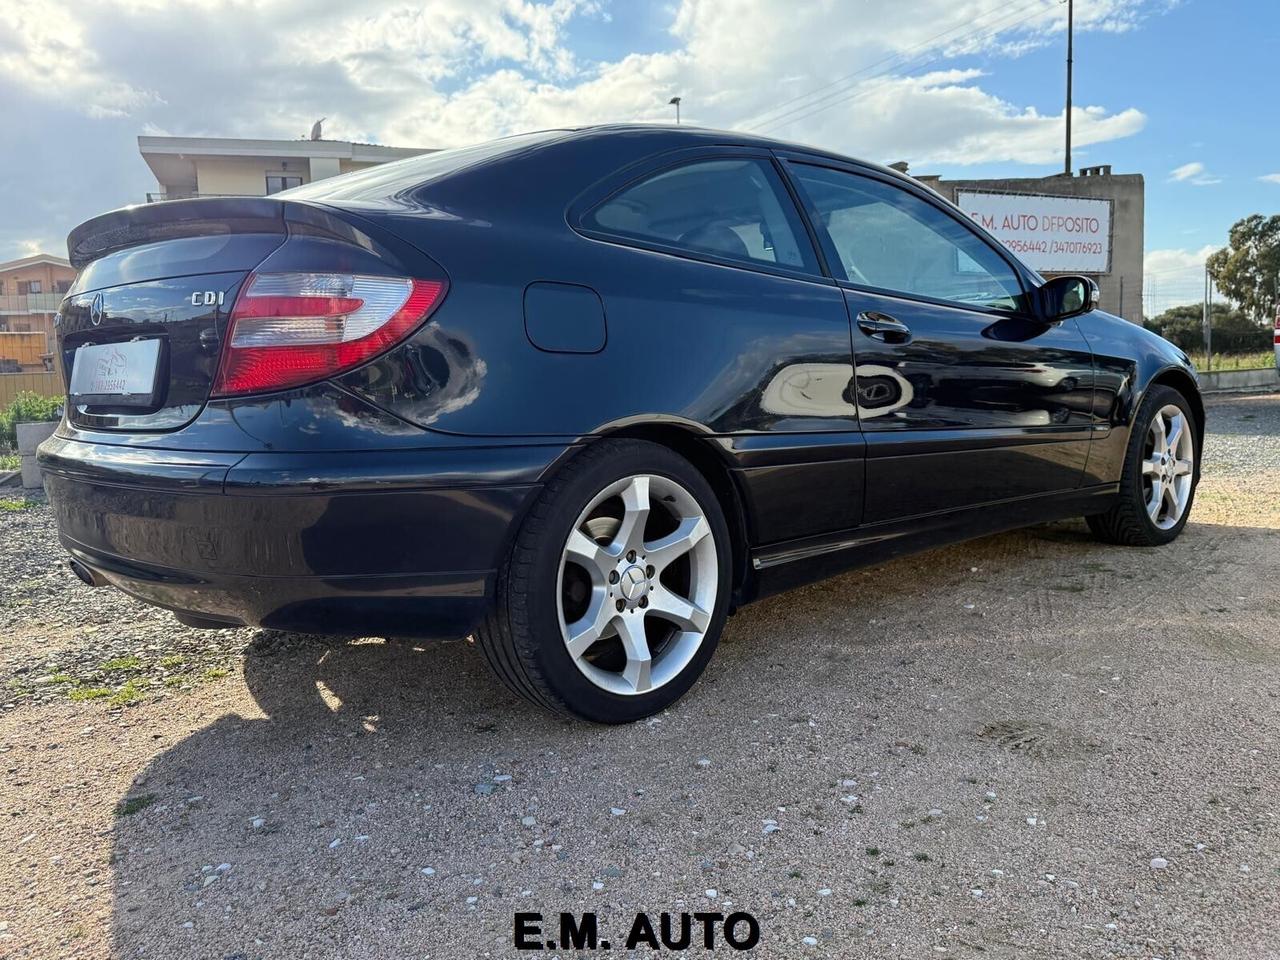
[(1168, 466), (637, 584)]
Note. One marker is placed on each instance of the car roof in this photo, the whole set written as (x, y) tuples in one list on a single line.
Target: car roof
[(670, 133), (636, 140)]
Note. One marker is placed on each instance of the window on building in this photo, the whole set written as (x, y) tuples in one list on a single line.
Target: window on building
[(61, 286), (35, 286), (277, 182), (732, 208)]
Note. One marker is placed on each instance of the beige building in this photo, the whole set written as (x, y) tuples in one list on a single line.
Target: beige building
[(31, 288), (219, 167), (1121, 283)]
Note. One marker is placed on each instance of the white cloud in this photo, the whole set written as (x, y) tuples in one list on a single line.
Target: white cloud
[(875, 81), (1193, 173), (1270, 178)]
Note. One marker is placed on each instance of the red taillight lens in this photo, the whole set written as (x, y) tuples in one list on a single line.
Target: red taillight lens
[(288, 329)]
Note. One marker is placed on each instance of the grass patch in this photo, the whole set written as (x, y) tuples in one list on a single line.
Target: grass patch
[(214, 673), (89, 693), (122, 665), (10, 461), (1234, 361), (920, 857), (873, 851), (126, 696), (131, 805), (171, 662), (859, 902), (16, 506)]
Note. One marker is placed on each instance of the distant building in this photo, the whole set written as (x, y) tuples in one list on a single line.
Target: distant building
[(30, 290), (218, 167), (1047, 221)]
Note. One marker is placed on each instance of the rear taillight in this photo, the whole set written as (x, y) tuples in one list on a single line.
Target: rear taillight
[(288, 329)]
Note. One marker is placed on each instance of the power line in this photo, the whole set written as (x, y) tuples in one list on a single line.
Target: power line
[(855, 93), (759, 119)]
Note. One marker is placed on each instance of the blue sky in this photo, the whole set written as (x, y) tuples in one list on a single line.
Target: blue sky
[(966, 88)]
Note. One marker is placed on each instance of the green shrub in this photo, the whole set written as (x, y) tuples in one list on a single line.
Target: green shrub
[(27, 407)]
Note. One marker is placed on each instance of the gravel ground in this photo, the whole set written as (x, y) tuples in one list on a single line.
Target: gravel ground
[(1029, 745)]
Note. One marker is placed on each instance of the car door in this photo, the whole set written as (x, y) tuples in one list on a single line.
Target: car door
[(712, 272), (965, 397)]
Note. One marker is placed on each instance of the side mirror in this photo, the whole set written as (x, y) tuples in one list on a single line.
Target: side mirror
[(1065, 297)]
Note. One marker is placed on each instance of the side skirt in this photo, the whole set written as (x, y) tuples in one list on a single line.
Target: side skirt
[(782, 566)]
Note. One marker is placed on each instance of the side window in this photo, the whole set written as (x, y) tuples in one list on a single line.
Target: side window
[(732, 208), (885, 237)]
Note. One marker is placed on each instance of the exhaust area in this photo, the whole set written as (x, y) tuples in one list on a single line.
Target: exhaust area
[(85, 575)]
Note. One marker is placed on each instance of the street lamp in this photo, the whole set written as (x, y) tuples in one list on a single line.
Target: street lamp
[(1071, 31), (675, 101)]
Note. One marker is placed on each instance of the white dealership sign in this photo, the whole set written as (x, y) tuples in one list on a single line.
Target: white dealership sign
[(1049, 234)]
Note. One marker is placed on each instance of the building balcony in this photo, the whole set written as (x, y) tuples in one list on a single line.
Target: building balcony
[(24, 303)]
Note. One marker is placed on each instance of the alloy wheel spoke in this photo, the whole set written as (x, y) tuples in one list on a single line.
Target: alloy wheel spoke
[(637, 672), (662, 552), (635, 503), (585, 552), (1182, 468), (1150, 467), (672, 607), (1175, 434), (1159, 435), (583, 634), (1171, 500), (1153, 502)]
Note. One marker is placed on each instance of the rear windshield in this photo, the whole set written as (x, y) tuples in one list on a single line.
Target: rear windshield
[(389, 179)]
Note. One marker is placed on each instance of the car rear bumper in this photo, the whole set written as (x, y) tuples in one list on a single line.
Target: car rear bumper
[(404, 542)]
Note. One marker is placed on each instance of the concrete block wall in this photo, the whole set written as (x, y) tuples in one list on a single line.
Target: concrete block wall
[(30, 436)]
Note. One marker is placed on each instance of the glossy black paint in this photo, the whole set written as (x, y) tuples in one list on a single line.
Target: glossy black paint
[(384, 500)]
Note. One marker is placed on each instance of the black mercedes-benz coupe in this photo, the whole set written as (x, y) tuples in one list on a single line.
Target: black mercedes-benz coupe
[(580, 394)]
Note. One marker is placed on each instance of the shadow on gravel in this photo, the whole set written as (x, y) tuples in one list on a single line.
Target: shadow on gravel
[(309, 826), (354, 735)]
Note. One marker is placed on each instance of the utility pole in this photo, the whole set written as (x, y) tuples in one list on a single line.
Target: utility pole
[(1208, 314), (1071, 29), (676, 102)]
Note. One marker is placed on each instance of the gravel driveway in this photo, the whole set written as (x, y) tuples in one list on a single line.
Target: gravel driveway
[(1027, 746)]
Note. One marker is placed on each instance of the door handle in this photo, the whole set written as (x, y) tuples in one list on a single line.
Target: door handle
[(882, 327)]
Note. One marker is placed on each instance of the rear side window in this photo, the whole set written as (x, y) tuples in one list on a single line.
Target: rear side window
[(736, 209), (888, 238)]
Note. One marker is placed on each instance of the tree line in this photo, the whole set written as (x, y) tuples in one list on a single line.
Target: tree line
[(1247, 272)]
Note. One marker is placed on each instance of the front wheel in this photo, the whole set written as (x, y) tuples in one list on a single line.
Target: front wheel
[(1161, 471), (616, 589)]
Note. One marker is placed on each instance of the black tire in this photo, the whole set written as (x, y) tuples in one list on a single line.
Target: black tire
[(1127, 522), (521, 636)]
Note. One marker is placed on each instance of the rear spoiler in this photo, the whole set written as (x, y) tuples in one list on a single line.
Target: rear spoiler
[(171, 219)]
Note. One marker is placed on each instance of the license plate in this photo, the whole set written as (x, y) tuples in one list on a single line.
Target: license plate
[(116, 374)]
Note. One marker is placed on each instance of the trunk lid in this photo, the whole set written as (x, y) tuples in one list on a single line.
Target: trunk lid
[(150, 306)]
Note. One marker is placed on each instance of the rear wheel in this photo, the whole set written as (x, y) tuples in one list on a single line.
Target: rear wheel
[(615, 593), (1161, 471)]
